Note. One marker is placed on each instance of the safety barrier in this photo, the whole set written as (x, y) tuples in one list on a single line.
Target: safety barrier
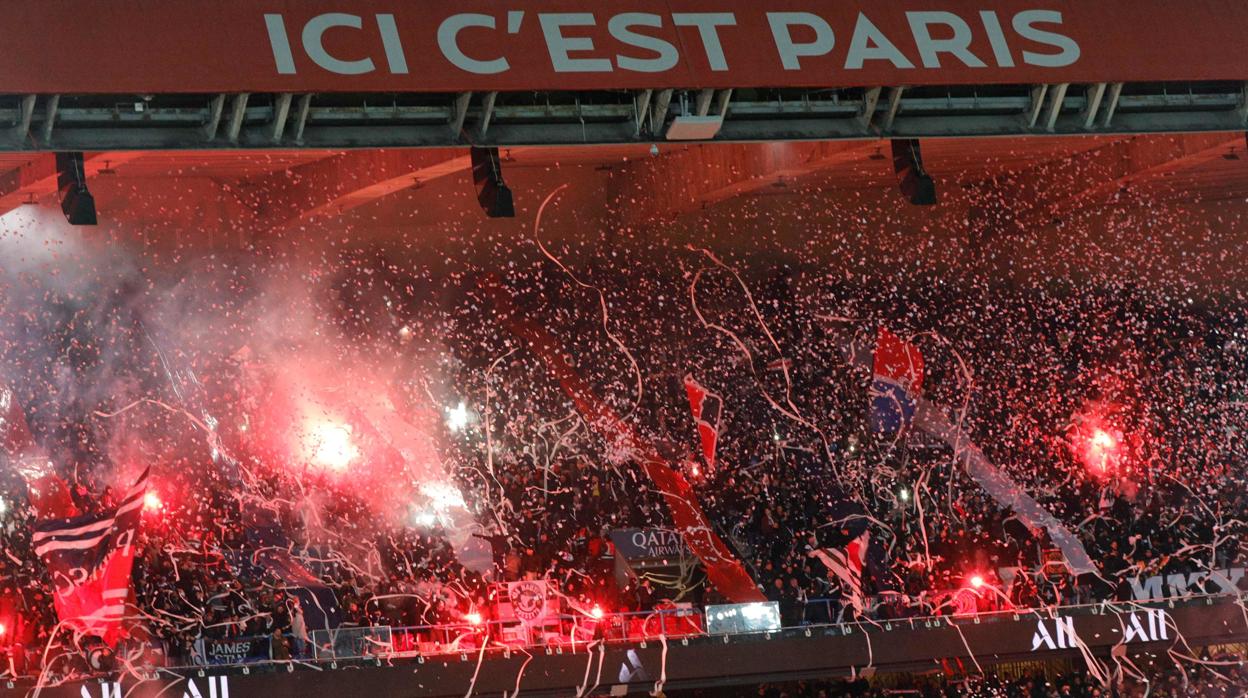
[(576, 631), (561, 630), (352, 642), (1096, 635)]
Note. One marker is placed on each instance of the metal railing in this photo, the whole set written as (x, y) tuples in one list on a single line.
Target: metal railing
[(577, 631), (193, 121), (562, 630)]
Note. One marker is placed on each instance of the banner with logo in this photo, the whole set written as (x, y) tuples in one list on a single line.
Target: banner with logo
[(234, 650), (1223, 581), (646, 544), (532, 602), (896, 382), (930, 418)]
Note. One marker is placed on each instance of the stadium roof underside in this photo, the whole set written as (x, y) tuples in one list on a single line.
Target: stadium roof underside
[(345, 120)]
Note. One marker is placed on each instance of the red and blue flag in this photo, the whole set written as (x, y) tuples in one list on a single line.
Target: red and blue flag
[(896, 383)]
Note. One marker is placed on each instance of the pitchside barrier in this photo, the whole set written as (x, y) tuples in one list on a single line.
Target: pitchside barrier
[(570, 631), (1098, 635)]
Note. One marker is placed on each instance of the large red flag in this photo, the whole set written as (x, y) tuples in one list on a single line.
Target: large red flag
[(722, 567), (89, 558)]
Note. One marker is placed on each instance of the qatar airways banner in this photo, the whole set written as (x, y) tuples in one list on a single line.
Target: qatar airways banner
[(127, 46), (649, 544)]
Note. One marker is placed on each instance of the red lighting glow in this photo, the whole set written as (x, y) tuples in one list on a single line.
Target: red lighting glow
[(328, 445), (1101, 449), (977, 581), (473, 618), (1097, 443), (596, 611), (152, 502)]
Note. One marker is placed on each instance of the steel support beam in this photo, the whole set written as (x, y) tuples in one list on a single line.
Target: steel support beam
[(659, 114), (894, 106), (301, 116), (1243, 107), (1057, 98), (461, 113), (1037, 104), (26, 112), (642, 106), (607, 117), (49, 118), (487, 111), (238, 114), (1093, 95), (703, 105), (215, 109), (869, 102), (1111, 106), (281, 111)]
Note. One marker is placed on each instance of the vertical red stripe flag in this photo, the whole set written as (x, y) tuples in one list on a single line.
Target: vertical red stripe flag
[(897, 382), (706, 416), (723, 569), (89, 559)]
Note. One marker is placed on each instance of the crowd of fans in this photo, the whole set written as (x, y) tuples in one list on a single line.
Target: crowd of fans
[(796, 469)]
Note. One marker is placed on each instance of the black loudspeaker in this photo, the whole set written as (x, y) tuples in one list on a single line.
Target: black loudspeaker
[(915, 183), (487, 176), (71, 183)]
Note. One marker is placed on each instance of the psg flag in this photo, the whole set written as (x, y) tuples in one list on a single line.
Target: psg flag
[(845, 567), (706, 407), (89, 558), (272, 554), (896, 383)]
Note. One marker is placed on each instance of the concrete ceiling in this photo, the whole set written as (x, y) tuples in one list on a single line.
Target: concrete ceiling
[(234, 197), (1220, 174)]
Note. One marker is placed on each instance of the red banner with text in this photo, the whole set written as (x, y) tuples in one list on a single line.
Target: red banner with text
[(139, 46)]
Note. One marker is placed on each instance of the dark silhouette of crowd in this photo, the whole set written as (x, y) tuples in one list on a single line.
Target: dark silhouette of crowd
[(796, 470)]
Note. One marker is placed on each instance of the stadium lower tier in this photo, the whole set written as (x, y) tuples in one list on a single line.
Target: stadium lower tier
[(1096, 637)]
